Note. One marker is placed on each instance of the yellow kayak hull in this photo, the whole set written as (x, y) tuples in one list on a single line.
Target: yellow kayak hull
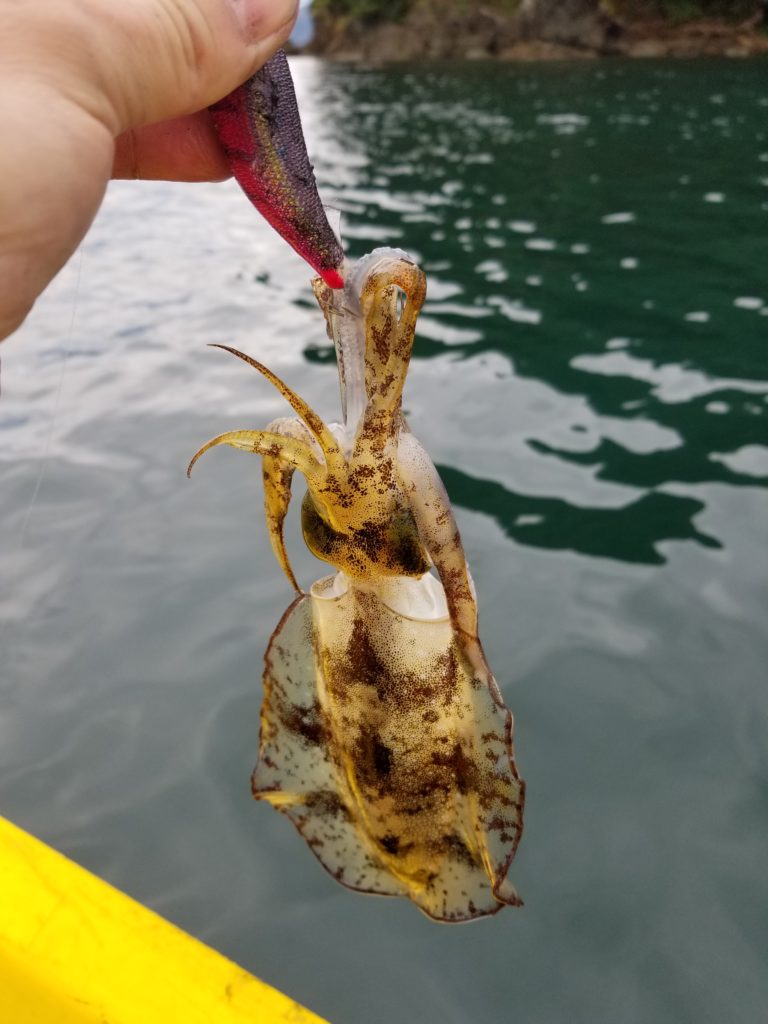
[(74, 950)]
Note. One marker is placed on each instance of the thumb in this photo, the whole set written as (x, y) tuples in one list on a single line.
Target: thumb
[(152, 60), (72, 81)]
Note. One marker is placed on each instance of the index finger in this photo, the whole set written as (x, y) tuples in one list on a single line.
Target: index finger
[(184, 149)]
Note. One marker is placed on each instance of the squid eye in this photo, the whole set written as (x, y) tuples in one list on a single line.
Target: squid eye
[(400, 303)]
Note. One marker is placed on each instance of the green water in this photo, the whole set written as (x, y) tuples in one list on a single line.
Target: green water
[(590, 376)]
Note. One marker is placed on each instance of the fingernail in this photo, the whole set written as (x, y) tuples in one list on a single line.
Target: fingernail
[(262, 19)]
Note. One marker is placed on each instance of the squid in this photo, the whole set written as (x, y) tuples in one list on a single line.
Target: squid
[(384, 736)]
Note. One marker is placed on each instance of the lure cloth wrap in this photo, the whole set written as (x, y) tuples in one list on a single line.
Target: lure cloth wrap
[(260, 129)]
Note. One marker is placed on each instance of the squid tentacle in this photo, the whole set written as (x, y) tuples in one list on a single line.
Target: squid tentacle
[(278, 477), (317, 427), (263, 442)]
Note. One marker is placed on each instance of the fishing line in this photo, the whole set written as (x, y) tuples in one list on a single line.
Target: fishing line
[(46, 454), (45, 458)]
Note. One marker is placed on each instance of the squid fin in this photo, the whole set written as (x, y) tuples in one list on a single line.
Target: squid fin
[(296, 772), (472, 861)]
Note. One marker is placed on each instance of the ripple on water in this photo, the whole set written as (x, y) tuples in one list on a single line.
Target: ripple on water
[(590, 377)]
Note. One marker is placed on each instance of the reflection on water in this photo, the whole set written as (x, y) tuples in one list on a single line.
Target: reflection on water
[(630, 532), (591, 376), (524, 202)]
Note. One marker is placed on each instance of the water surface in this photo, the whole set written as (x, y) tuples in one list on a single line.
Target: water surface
[(590, 376)]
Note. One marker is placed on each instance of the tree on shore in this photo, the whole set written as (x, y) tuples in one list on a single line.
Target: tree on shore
[(559, 20), (552, 16)]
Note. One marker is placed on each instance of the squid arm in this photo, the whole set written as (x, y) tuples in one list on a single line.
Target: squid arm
[(297, 454), (390, 307), (278, 476), (431, 509), (439, 534), (315, 424)]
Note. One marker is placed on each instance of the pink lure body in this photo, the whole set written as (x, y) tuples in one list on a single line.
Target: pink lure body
[(260, 130)]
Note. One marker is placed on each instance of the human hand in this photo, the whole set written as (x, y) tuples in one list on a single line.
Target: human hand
[(96, 88)]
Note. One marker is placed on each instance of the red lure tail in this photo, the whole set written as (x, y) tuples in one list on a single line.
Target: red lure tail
[(259, 127)]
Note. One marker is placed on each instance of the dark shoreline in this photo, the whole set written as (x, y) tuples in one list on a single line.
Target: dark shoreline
[(485, 34)]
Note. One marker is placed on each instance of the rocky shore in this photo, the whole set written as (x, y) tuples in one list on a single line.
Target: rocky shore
[(447, 30)]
